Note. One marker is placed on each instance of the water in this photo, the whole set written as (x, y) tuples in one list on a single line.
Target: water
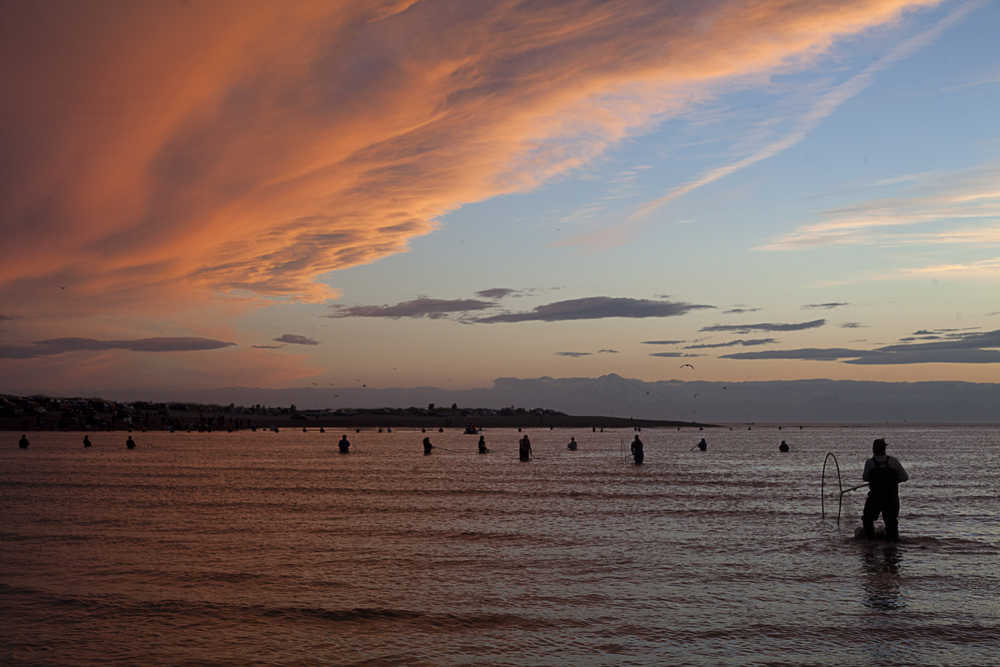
[(271, 548)]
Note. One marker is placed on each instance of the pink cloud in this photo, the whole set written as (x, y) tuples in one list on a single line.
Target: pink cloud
[(162, 154)]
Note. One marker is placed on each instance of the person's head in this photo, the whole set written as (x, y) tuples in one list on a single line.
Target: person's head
[(878, 447)]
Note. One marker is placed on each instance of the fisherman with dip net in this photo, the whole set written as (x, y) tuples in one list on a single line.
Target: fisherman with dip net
[(884, 474)]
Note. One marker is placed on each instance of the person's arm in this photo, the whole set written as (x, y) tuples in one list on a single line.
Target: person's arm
[(868, 470)]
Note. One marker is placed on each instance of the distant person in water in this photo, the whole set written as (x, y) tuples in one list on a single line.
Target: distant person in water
[(23, 442), (884, 474), (783, 447), (702, 445), (427, 446), (130, 443), (524, 450), (637, 451), (572, 445), (482, 445), (344, 444), (86, 441)]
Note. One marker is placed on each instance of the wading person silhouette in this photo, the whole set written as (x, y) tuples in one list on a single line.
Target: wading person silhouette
[(86, 441), (524, 450), (702, 445), (130, 443), (482, 445), (427, 446), (344, 445), (23, 442), (783, 447), (637, 452), (571, 446), (883, 473)]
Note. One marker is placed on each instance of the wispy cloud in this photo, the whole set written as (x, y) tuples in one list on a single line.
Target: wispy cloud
[(497, 292), (596, 307), (740, 311), (573, 354), (661, 342), (984, 268), (936, 213), (829, 305), (745, 342), (766, 326), (957, 348), (55, 346), (607, 350), (421, 307), (853, 325), (667, 354), (825, 106), (295, 339)]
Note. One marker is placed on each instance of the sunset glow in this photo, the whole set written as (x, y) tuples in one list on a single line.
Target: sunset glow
[(408, 193)]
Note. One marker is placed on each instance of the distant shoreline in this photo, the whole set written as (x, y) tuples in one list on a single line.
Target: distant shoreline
[(374, 421), (44, 413)]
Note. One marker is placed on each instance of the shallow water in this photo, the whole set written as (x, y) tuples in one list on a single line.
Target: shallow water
[(272, 548)]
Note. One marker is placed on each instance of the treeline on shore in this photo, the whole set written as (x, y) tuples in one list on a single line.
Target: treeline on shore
[(83, 414)]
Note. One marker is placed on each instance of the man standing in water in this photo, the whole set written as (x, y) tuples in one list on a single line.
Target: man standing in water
[(524, 451), (344, 445), (482, 445), (884, 474), (427, 446), (637, 452)]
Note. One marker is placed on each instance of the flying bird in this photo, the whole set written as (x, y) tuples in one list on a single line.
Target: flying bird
[(688, 365)]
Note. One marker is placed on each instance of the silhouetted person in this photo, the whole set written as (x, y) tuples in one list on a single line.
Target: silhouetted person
[(884, 474), (572, 445), (344, 445), (702, 445), (524, 450), (23, 442), (427, 446), (482, 445), (86, 441), (130, 443), (637, 452), (783, 447)]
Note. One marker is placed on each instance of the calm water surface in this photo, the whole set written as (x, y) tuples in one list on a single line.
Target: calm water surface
[(272, 548)]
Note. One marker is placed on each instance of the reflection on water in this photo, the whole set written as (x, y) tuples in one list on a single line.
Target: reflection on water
[(881, 565)]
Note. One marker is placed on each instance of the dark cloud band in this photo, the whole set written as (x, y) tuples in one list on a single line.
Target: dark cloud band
[(52, 346), (295, 339), (595, 307), (766, 326), (422, 307)]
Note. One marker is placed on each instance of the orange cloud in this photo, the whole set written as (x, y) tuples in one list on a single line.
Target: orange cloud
[(155, 155)]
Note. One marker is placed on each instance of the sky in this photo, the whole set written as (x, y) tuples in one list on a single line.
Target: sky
[(406, 193)]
